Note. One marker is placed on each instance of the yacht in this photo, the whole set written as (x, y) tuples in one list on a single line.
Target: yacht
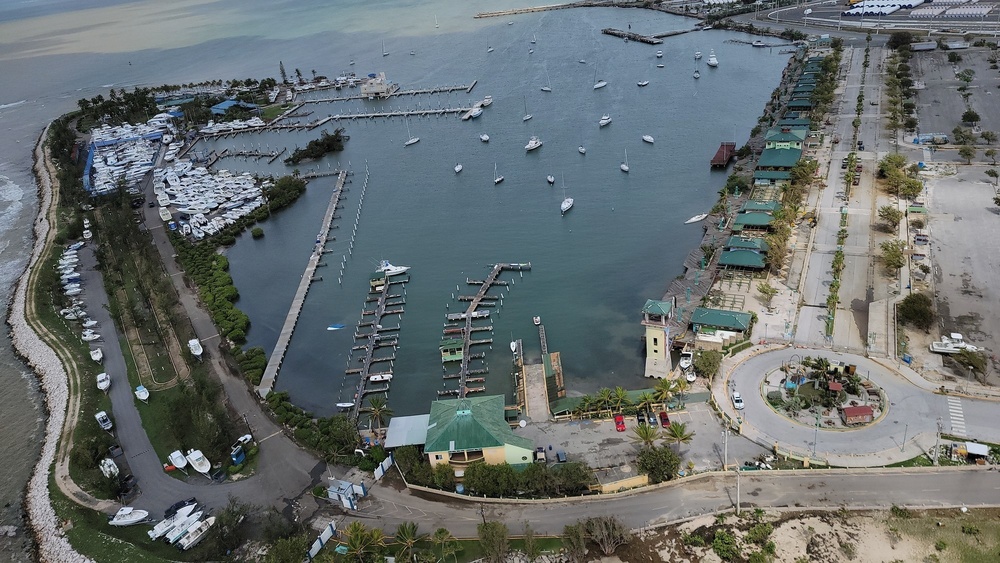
[(697, 55), (533, 144), (605, 120), (550, 179), (390, 270), (712, 61), (659, 54), (484, 137), (458, 168), (413, 140), (648, 138)]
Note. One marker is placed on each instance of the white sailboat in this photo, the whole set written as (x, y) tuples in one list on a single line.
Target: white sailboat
[(411, 139), (527, 115), (384, 52), (496, 177), (532, 38), (567, 202), (488, 48), (435, 21), (624, 165), (548, 82), (598, 84)]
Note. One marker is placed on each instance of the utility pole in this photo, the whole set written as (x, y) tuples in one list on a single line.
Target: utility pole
[(816, 434), (937, 442), (906, 429), (725, 449), (737, 491)]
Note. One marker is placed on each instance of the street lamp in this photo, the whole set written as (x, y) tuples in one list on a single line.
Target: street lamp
[(816, 434)]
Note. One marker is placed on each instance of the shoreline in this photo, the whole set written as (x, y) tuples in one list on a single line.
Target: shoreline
[(53, 379)]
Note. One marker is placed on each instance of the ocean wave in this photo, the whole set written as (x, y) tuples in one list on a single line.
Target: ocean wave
[(13, 104)]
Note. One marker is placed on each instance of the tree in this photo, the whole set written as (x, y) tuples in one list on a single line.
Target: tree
[(682, 386), (659, 464), (892, 254), (444, 477), (288, 550), (298, 76), (989, 137), (664, 390), (494, 540), (574, 541), (604, 398), (992, 155), (910, 188), (898, 39), (284, 75), (966, 75), (678, 434), (531, 548), (767, 291), (445, 542), (707, 362), (993, 174), (620, 398), (378, 410), (229, 525), (890, 214), (363, 545), (645, 401), (917, 309), (408, 538), (607, 532), (970, 116), (967, 152), (646, 434)]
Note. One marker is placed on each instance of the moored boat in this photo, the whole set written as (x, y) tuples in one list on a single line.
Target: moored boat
[(484, 137), (390, 270), (536, 320), (712, 61), (696, 218), (550, 179)]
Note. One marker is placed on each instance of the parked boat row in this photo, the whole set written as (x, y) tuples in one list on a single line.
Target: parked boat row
[(125, 153), (182, 525), (207, 202)]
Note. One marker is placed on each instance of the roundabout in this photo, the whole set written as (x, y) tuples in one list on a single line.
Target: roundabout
[(904, 422)]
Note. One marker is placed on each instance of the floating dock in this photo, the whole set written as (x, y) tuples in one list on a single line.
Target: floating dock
[(722, 156), (285, 336)]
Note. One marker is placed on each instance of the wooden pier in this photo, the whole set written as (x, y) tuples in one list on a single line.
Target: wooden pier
[(471, 313), (722, 156), (285, 336)]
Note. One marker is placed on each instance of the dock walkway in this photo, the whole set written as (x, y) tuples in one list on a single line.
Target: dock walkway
[(434, 90), (285, 336), (372, 340)]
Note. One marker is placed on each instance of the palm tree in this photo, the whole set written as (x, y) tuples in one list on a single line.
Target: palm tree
[(645, 401), (620, 397), (586, 405), (664, 390), (604, 398), (362, 544), (407, 537), (646, 434), (678, 434), (445, 541), (682, 386), (378, 410)]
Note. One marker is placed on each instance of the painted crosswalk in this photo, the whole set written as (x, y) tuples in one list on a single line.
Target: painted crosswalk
[(957, 416)]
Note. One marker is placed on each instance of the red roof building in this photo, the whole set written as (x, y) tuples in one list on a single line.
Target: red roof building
[(857, 415)]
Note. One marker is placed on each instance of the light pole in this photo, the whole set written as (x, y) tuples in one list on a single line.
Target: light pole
[(765, 333), (737, 491), (725, 449), (816, 434), (906, 429)]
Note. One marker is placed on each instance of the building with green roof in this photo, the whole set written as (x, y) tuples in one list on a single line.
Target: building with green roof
[(771, 177), (656, 316), (769, 206), (753, 220), (461, 432), (779, 159), (452, 349), (740, 258), (785, 137), (737, 321), (747, 243)]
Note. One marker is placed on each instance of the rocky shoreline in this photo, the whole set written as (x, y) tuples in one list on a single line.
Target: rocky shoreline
[(51, 543)]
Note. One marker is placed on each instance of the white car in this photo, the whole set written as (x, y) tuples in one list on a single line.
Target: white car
[(737, 400)]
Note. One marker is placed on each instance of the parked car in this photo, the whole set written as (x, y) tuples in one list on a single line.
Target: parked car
[(843, 163), (737, 400), (650, 418), (619, 423), (664, 419), (640, 419)]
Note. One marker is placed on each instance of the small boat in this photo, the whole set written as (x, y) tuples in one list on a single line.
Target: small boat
[(496, 177), (198, 462), (484, 137), (659, 66), (87, 235), (488, 48), (128, 516), (527, 115), (435, 20), (74, 291), (648, 139), (605, 120), (510, 23), (532, 38), (696, 218), (536, 320), (413, 140), (458, 168), (335, 327), (413, 52), (198, 532), (476, 112), (142, 393), (104, 421), (758, 43), (642, 83), (384, 52), (90, 336), (97, 355), (103, 381), (345, 405), (352, 62), (177, 459), (530, 51), (194, 345), (546, 89), (164, 526), (697, 74), (533, 143), (380, 378), (550, 179), (581, 149), (583, 62), (697, 55), (513, 346), (624, 166), (598, 84), (487, 101), (659, 54), (687, 359), (712, 61), (89, 323), (567, 202), (390, 270), (182, 527), (165, 214)]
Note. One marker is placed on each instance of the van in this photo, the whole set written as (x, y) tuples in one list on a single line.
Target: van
[(561, 456)]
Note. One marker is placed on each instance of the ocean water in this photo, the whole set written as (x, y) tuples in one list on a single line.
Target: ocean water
[(622, 243)]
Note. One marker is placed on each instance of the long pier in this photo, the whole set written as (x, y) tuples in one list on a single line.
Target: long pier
[(471, 313), (384, 294), (517, 11), (631, 36), (399, 113), (434, 90), (285, 336)]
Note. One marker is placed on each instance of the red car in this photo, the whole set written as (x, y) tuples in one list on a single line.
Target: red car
[(619, 423), (664, 419)]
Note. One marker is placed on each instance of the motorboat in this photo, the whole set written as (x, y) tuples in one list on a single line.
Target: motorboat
[(546, 88), (336, 326), (182, 527), (165, 214), (605, 120), (458, 168), (712, 61), (87, 235), (659, 65), (550, 179), (484, 137), (697, 55), (380, 378), (128, 516), (624, 166), (531, 51), (952, 344), (691, 376), (390, 270), (581, 149), (496, 177), (659, 54), (696, 218), (536, 320), (758, 43), (90, 336), (97, 355), (198, 531), (108, 467), (104, 421), (142, 393), (697, 74), (198, 462), (177, 459), (648, 138), (487, 101), (167, 524), (533, 143), (642, 83), (89, 323), (581, 61), (74, 291), (103, 381), (194, 345), (476, 112), (686, 361), (345, 406)]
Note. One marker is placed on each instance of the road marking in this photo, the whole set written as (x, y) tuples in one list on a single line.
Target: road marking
[(270, 436), (957, 415)]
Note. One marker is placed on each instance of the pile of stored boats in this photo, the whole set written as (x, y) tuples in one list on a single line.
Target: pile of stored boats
[(208, 202), (126, 153), (213, 128), (182, 525), (72, 286)]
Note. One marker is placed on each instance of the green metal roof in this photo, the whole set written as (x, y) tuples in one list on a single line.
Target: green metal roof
[(755, 219), (758, 205), (772, 175), (794, 122), (742, 259), (654, 307), (779, 158), (786, 134), (472, 423), (449, 342), (720, 318), (751, 243), (800, 103)]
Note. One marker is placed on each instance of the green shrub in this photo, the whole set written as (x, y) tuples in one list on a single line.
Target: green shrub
[(693, 540), (759, 533), (899, 512), (940, 545), (725, 546), (319, 491), (234, 469), (257, 232)]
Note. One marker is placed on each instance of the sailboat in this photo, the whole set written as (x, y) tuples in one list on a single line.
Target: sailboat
[(384, 52), (598, 84), (412, 140), (548, 82), (435, 21), (624, 165), (567, 202), (488, 48), (697, 71), (527, 115), (532, 38), (496, 177)]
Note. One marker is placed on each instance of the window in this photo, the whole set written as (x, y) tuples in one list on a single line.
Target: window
[(655, 341), (437, 456)]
